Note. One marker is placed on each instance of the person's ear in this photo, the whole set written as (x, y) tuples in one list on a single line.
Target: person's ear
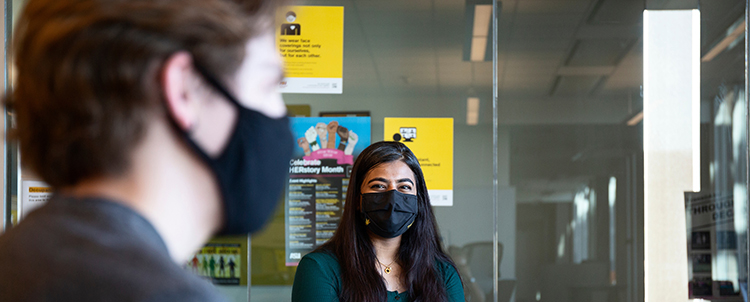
[(178, 83)]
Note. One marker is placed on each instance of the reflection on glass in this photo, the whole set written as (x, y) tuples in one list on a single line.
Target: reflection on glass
[(718, 221), (612, 198), (718, 265), (584, 208)]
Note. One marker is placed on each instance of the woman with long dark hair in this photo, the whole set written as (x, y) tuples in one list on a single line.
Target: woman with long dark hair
[(387, 245)]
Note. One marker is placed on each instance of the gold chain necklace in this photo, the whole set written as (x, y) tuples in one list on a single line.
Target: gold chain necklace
[(387, 269)]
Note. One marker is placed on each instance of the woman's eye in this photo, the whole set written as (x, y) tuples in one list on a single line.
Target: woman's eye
[(405, 188), (377, 186)]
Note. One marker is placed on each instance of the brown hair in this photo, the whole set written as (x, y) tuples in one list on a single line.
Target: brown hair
[(87, 74)]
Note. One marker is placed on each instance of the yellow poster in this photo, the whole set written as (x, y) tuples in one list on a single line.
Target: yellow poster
[(431, 140), (222, 260), (35, 194), (311, 43)]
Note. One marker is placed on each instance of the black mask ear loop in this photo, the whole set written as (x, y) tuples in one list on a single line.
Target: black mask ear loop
[(213, 81), (361, 210)]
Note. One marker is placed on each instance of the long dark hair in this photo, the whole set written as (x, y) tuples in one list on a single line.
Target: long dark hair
[(420, 248)]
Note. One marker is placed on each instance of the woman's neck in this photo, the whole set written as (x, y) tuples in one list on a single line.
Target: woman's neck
[(386, 249)]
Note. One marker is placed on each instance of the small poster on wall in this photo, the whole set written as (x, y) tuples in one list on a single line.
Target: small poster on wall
[(318, 179), (431, 140), (713, 250), (223, 260), (35, 194), (311, 43)]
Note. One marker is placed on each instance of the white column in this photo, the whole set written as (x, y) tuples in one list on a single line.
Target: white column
[(671, 146)]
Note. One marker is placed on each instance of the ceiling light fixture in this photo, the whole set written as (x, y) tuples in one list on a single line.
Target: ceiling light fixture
[(637, 118), (472, 111), (472, 102), (478, 31)]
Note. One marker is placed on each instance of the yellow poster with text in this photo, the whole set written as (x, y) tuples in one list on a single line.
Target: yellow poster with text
[(431, 140), (311, 42)]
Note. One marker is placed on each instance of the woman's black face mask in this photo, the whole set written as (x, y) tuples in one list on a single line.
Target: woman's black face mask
[(252, 169), (389, 214)]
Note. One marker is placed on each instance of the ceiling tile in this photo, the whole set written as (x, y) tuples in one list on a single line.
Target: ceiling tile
[(575, 85), (617, 12), (598, 52), (553, 6)]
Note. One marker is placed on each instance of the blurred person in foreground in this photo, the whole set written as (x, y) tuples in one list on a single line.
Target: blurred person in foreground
[(387, 246), (158, 125)]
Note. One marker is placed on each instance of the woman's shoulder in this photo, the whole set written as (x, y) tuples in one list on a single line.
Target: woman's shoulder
[(453, 284), (318, 278), (323, 260), (444, 265), (446, 268), (321, 256)]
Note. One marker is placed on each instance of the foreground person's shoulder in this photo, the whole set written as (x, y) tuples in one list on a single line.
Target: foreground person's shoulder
[(78, 250)]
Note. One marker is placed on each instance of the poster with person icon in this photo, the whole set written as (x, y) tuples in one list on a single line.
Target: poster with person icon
[(313, 57), (291, 28), (318, 178), (221, 261), (431, 140)]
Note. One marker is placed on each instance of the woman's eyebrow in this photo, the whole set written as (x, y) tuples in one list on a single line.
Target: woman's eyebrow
[(378, 179), (406, 180)]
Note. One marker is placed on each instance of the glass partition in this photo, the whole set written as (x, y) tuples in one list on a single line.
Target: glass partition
[(570, 102), (409, 62), (718, 269), (539, 110)]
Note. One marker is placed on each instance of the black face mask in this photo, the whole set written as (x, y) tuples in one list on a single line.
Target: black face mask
[(389, 214), (252, 169)]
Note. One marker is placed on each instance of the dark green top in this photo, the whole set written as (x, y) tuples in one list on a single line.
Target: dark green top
[(318, 279)]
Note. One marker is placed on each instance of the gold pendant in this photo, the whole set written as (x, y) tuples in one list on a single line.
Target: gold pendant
[(387, 270)]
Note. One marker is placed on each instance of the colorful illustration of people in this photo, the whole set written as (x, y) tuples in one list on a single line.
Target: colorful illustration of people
[(213, 261), (204, 272), (327, 136), (195, 265), (291, 29), (231, 266)]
